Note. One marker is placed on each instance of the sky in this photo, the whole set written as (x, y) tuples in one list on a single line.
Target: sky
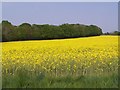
[(102, 14)]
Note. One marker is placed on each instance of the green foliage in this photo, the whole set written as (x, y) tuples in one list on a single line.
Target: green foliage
[(116, 33), (112, 33), (32, 80), (26, 31)]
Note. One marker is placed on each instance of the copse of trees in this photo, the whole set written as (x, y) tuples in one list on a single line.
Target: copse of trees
[(27, 31), (112, 33)]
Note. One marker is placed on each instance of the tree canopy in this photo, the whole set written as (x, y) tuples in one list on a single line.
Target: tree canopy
[(27, 31)]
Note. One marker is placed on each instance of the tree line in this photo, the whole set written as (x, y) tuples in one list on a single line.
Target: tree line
[(112, 33), (26, 31)]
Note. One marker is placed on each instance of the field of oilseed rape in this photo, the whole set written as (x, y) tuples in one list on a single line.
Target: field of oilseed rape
[(90, 62)]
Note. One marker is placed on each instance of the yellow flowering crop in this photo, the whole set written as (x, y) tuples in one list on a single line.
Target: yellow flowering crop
[(79, 56)]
